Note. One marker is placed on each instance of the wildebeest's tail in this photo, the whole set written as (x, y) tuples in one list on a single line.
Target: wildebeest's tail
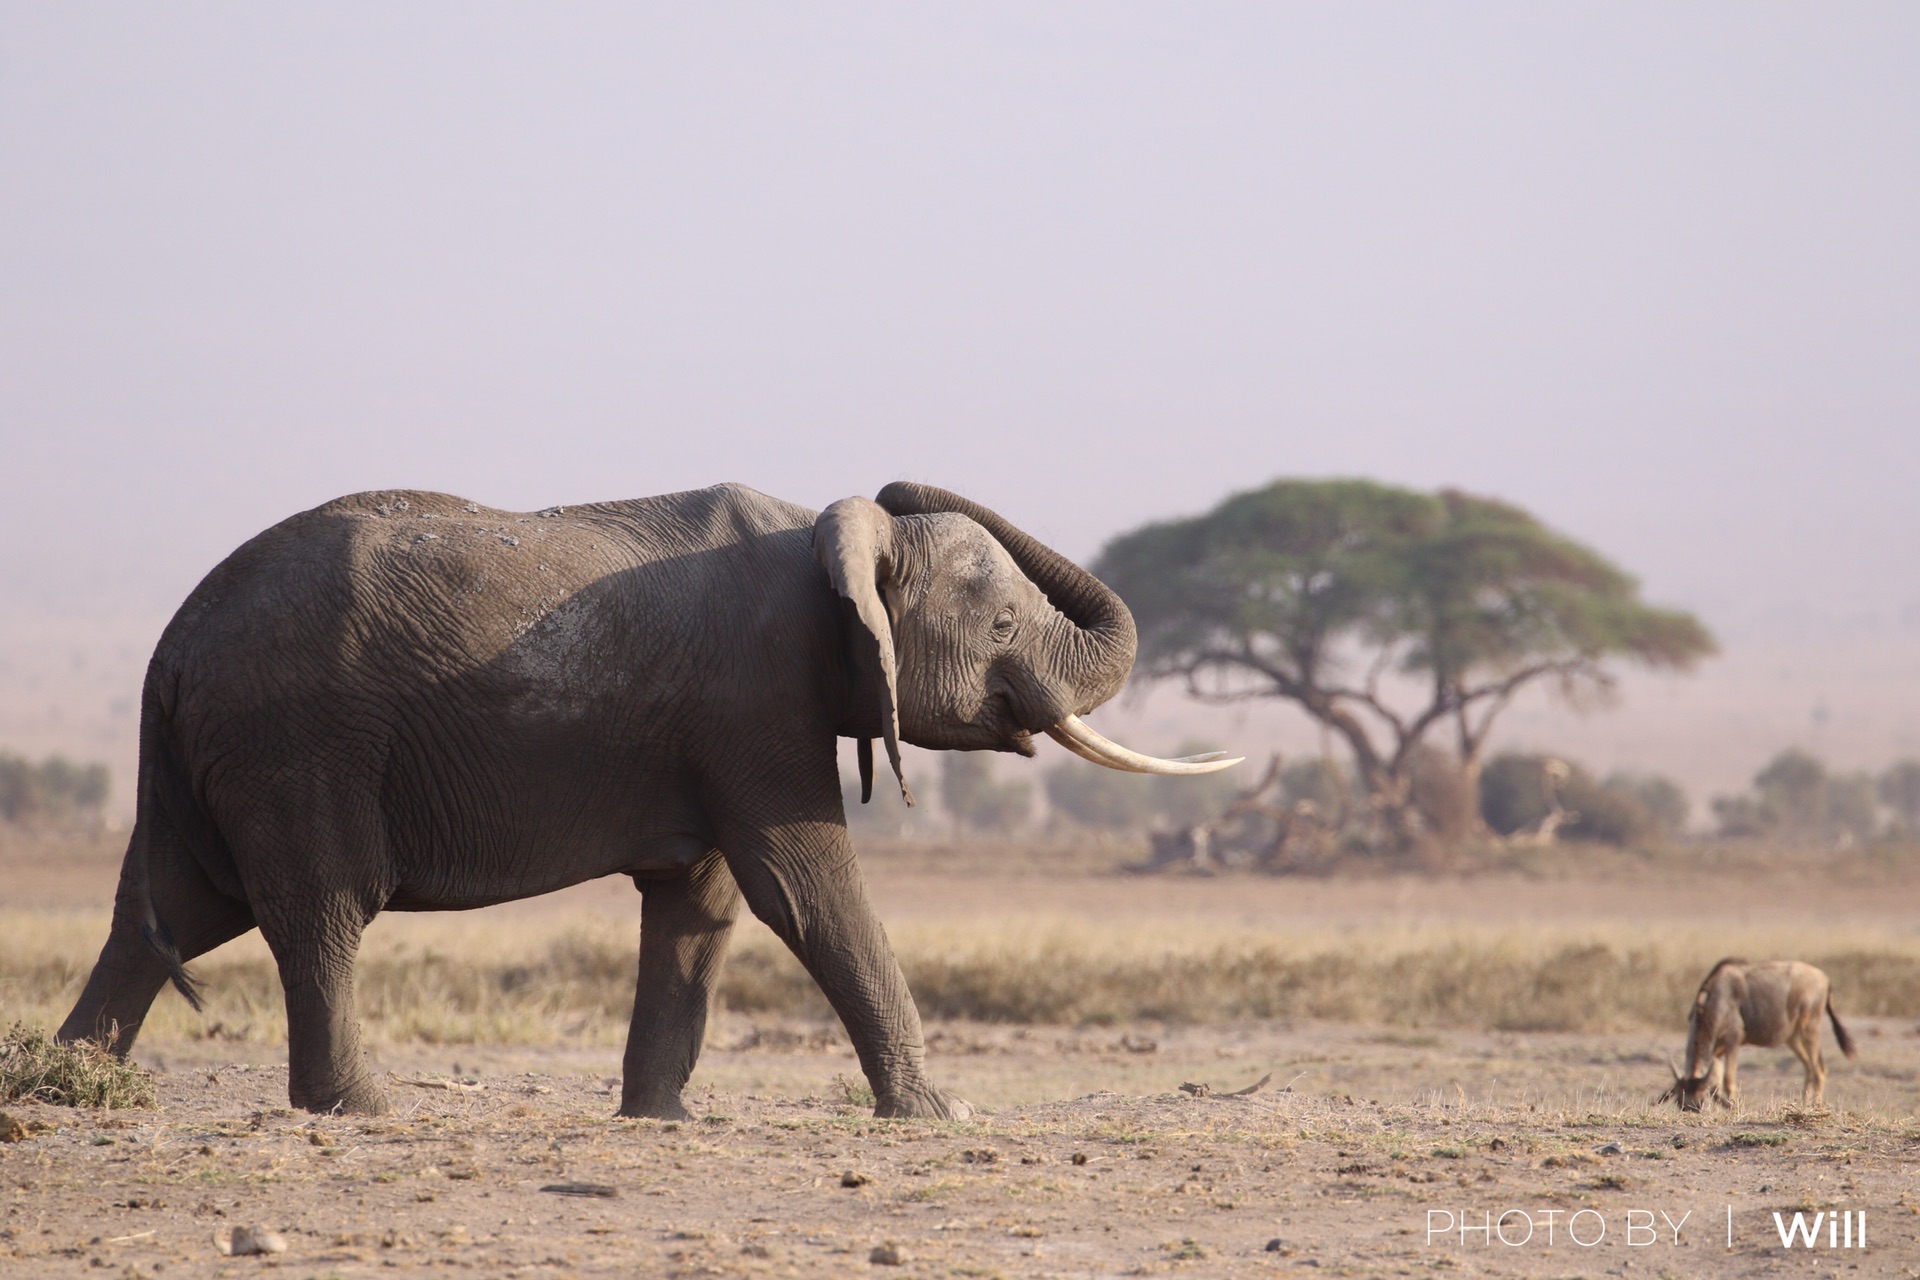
[(1839, 1032)]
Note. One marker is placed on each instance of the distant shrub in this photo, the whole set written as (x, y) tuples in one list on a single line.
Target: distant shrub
[(55, 792), (1793, 793), (1794, 798), (1666, 805), (1608, 814), (1623, 810), (1513, 793)]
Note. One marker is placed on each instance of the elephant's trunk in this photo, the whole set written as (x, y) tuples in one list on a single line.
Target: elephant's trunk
[(1104, 643)]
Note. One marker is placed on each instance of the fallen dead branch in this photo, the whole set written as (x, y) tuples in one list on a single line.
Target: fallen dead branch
[(1208, 1091)]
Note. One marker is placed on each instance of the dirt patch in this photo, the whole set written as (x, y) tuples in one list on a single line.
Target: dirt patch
[(1365, 1156), (1375, 1145)]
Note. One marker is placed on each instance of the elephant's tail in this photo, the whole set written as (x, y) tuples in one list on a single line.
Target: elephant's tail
[(166, 798), (160, 938)]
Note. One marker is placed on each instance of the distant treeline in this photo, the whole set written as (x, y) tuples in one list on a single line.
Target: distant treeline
[(56, 792), (1316, 807), (1796, 798)]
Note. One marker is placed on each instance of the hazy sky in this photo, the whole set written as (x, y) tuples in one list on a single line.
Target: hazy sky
[(1652, 271)]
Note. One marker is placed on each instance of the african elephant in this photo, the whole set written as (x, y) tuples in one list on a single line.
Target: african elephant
[(403, 701)]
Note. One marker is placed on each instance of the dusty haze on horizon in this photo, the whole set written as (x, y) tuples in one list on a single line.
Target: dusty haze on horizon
[(1650, 271)]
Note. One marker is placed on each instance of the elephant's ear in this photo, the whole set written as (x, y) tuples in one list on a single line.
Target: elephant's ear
[(853, 541)]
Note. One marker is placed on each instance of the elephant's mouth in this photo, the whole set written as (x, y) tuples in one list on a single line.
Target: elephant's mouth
[(1005, 720)]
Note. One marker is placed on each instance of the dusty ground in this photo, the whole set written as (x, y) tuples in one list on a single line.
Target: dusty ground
[(1362, 1157), (1355, 1171)]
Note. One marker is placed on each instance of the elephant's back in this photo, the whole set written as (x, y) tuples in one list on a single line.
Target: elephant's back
[(381, 598)]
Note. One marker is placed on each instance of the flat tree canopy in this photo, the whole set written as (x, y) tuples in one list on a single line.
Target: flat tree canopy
[(1314, 590)]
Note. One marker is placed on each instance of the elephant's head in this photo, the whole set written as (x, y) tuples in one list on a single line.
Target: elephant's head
[(974, 636)]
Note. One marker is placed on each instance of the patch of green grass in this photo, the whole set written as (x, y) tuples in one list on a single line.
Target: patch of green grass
[(33, 1067), (1759, 1140)]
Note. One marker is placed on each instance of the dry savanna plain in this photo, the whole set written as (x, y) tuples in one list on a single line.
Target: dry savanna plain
[(1462, 1081)]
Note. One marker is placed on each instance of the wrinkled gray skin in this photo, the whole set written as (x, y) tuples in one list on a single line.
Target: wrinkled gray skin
[(403, 701)]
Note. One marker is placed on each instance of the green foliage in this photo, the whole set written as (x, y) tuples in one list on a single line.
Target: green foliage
[(1513, 795), (32, 1066), (1666, 805), (969, 791), (55, 792), (1454, 583), (1607, 815), (1308, 590), (1625, 809)]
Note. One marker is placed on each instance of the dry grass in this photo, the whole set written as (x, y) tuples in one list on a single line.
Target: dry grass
[(569, 979), (34, 1068)]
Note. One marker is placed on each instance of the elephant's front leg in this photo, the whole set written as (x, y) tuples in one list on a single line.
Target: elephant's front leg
[(685, 923), (801, 879)]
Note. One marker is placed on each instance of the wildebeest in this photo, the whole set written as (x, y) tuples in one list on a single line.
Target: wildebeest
[(1769, 1003)]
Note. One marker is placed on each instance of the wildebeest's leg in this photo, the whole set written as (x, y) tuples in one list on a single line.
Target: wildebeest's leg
[(685, 923), (1805, 1043), (129, 973), (1729, 1076)]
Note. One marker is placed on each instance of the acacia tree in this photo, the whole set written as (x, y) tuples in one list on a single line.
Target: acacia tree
[(1322, 592)]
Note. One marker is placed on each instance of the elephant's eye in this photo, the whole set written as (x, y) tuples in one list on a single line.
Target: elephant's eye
[(1003, 626)]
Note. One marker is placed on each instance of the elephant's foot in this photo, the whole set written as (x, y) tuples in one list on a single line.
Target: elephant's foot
[(358, 1097), (922, 1103), (654, 1107)]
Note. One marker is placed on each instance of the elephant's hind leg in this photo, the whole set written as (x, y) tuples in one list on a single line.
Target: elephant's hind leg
[(130, 973), (314, 946), (315, 872), (685, 923)]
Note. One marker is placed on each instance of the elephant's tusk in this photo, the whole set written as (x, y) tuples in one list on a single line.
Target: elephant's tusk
[(1076, 737)]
